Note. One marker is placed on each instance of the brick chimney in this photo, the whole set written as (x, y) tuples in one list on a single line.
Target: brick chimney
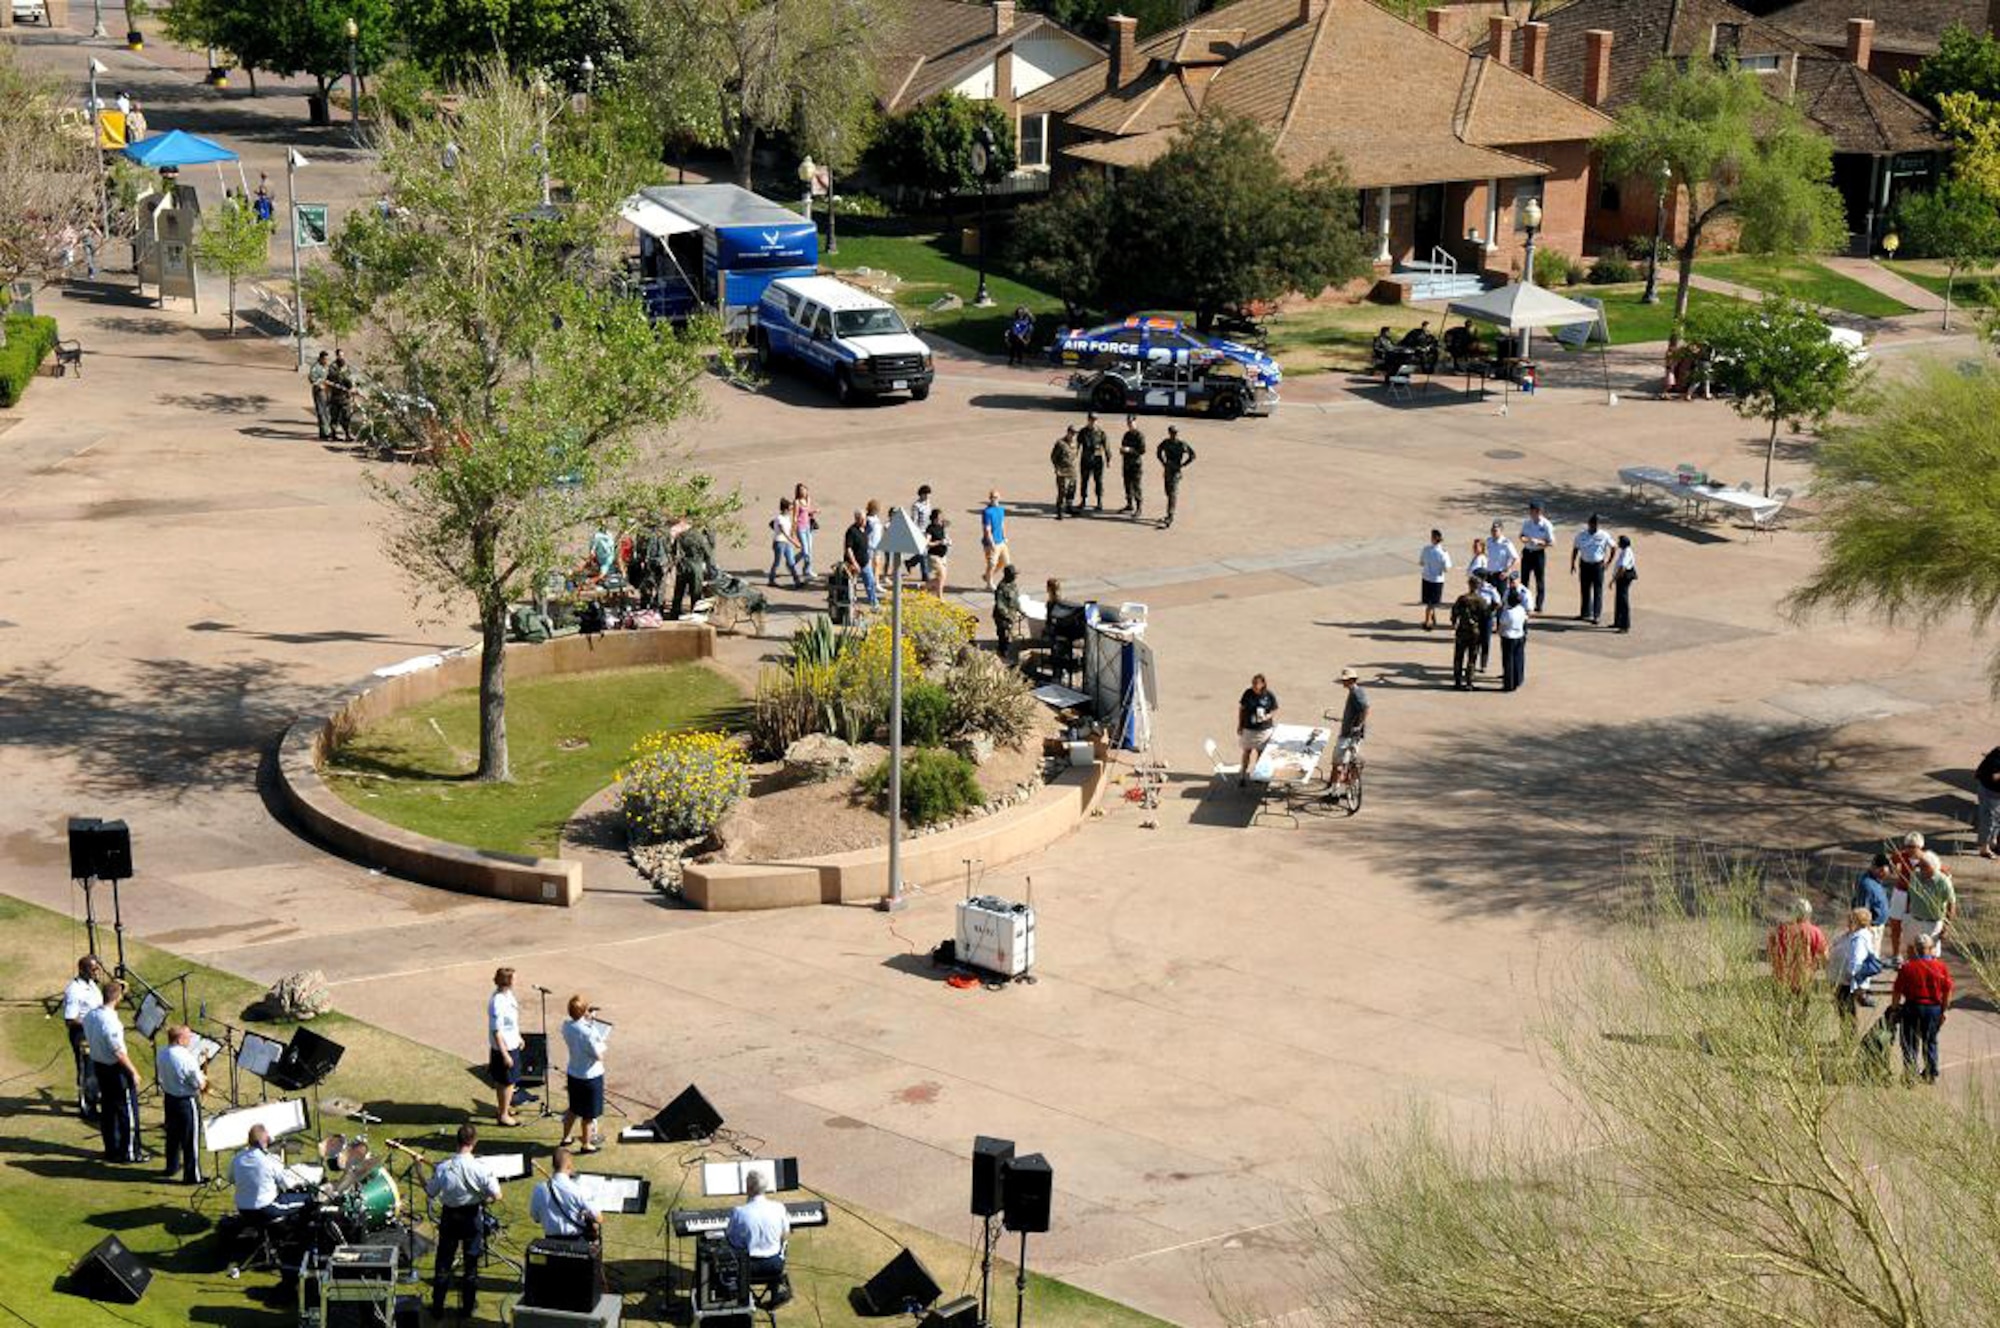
[(1500, 39), (1434, 20), (1306, 11), (1534, 50), (1596, 66), (1003, 17), (1124, 50), (1860, 41)]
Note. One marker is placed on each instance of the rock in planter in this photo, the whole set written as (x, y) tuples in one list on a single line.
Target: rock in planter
[(818, 757), (977, 748), (736, 829), (297, 996)]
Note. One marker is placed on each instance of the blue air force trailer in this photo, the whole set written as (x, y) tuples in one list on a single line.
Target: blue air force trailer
[(715, 246)]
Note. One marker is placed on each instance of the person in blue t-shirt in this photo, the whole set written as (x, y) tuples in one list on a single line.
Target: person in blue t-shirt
[(993, 537)]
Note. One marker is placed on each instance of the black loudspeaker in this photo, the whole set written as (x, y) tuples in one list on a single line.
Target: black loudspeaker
[(534, 1058), (904, 1285), (960, 1313), (560, 1275), (989, 1171), (83, 846), (114, 851), (307, 1060), (111, 1272), (687, 1117), (1031, 1184)]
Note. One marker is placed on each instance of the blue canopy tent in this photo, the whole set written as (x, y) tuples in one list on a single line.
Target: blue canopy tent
[(177, 148)]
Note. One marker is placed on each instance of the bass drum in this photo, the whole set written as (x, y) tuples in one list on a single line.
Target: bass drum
[(374, 1203)]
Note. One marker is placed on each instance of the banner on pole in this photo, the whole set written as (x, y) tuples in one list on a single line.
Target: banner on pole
[(311, 224)]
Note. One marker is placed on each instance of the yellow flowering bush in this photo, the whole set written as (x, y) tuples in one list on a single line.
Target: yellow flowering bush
[(678, 785), (937, 630)]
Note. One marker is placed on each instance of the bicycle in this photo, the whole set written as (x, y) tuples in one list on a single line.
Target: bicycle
[(1345, 792)]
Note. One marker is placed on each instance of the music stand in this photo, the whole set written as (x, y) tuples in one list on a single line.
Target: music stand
[(307, 1060)]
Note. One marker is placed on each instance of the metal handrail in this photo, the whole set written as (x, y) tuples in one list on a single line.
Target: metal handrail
[(1442, 260)]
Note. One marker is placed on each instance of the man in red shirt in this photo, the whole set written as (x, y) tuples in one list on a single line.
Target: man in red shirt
[(1923, 989), (1797, 949)]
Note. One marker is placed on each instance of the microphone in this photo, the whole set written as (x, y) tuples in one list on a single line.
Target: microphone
[(544, 990)]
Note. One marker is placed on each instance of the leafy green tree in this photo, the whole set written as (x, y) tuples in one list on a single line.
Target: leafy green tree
[(1956, 222), (49, 175), (454, 37), (1735, 152), (1091, 17), (930, 145), (1909, 501), (1060, 243), (1965, 61), (288, 37), (1218, 222), (1779, 361), (515, 361), (734, 71), (231, 241)]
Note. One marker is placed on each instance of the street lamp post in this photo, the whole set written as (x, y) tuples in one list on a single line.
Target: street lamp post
[(97, 20), (541, 91), (589, 79), (293, 160), (354, 80), (832, 236), (807, 169), (103, 193), (1652, 295), (982, 165), (1531, 221)]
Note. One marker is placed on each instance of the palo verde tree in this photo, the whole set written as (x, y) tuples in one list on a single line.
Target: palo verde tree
[(1956, 222), (756, 64), (1727, 1152), (1779, 362), (1734, 152), (1219, 221), (513, 357), (1909, 503), (234, 243), (48, 177)]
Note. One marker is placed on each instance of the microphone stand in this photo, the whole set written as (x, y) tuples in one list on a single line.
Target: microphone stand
[(548, 1058)]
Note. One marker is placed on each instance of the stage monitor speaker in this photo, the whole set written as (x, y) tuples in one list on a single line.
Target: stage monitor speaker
[(114, 851), (560, 1275), (1031, 1184), (604, 1314), (83, 846), (960, 1313), (989, 1171), (904, 1285), (688, 1116), (111, 1272), (534, 1057)]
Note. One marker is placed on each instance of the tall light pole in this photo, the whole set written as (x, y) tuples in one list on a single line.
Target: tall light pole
[(832, 237), (1531, 221), (1666, 182), (103, 193), (354, 80), (97, 20), (292, 163), (982, 165), (589, 79), (807, 169), (542, 143)]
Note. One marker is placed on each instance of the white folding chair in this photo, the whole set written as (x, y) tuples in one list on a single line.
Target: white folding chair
[(1221, 769), (1765, 521), (1399, 381)]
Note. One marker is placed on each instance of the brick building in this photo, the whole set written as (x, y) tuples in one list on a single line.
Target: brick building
[(1444, 147), (1905, 32)]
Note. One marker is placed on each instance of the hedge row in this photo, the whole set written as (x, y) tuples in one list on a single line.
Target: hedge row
[(29, 341)]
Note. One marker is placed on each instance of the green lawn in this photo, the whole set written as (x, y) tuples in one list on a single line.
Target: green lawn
[(929, 266), (1802, 279), (566, 738), (57, 1199), (1633, 323), (1970, 288)]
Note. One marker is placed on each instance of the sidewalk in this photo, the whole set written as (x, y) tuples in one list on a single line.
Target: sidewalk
[(1880, 279)]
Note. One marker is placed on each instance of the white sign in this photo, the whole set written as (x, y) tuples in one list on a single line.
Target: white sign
[(903, 539)]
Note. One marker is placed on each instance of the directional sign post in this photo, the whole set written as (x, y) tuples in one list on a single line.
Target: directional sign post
[(293, 160), (312, 225), (902, 540)]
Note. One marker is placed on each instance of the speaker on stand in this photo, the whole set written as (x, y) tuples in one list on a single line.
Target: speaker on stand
[(990, 1158), (1031, 1185)]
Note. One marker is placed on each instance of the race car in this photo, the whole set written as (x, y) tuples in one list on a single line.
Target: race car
[(1157, 339)]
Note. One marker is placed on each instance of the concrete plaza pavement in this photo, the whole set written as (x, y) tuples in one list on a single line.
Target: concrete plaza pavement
[(1222, 1005)]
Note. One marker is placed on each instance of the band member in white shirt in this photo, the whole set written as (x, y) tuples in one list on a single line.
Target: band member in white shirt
[(80, 997), (1433, 562), (1624, 571), (1537, 534), (462, 1184), (259, 1177), (117, 1078), (182, 1082), (503, 1044), (1587, 558), (558, 1203), (584, 1037), (759, 1227)]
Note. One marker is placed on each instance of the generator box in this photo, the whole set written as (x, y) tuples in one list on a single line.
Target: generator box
[(996, 935)]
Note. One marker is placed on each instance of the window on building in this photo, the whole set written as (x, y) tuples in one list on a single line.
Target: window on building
[(1728, 37), (1034, 140), (1609, 199), (1759, 64)]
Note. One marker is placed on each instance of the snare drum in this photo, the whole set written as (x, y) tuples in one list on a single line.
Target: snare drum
[(374, 1203)]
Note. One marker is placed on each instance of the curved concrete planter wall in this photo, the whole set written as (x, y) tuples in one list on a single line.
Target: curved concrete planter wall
[(433, 861)]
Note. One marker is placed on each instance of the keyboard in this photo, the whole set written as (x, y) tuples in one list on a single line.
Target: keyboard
[(712, 1221)]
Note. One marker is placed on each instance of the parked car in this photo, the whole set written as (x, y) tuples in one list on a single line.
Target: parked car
[(31, 11), (855, 340), (1158, 339)]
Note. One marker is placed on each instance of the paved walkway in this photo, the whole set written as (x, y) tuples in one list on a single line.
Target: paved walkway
[(1878, 278)]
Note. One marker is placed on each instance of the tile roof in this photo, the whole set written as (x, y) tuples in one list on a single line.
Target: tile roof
[(1398, 105), (927, 46), (1905, 26), (1857, 110)]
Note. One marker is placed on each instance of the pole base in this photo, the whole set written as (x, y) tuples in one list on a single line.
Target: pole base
[(98, 33), (892, 903), (984, 302)]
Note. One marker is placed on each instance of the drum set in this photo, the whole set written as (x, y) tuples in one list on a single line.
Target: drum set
[(350, 1196)]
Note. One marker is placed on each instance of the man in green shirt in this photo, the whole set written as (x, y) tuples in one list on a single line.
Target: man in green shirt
[(1096, 455), (1065, 457), (1933, 903), (1175, 456), (1132, 451)]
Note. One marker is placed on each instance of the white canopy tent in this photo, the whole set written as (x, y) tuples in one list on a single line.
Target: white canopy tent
[(647, 216), (1523, 306)]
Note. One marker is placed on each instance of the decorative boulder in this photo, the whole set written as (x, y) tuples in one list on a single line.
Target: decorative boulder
[(818, 757), (298, 996), (976, 748)]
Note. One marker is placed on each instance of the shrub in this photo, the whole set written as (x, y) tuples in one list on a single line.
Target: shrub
[(989, 697), (926, 714), (1639, 247), (937, 785), (678, 785), (818, 641), (1551, 267), (937, 630), (1574, 273), (1612, 269), (29, 341)]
